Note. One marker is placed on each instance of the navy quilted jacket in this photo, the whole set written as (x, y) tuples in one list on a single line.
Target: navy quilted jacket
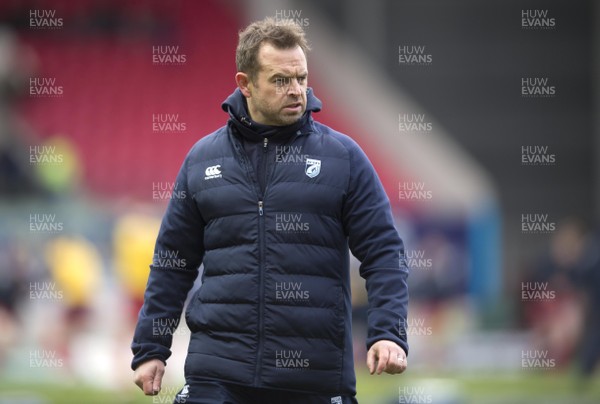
[(272, 212)]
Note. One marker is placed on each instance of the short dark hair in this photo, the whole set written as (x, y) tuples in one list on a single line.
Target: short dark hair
[(283, 34)]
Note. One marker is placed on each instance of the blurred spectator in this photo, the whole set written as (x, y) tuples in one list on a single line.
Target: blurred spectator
[(62, 176), (553, 302), (16, 62), (12, 292), (587, 278), (76, 268), (437, 263), (133, 245)]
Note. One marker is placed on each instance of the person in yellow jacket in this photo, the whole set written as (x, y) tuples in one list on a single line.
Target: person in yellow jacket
[(75, 267), (133, 243)]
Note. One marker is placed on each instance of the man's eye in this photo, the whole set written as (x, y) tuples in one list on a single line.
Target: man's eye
[(282, 81)]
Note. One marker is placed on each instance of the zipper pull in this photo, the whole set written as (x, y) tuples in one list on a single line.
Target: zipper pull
[(265, 143), (260, 208)]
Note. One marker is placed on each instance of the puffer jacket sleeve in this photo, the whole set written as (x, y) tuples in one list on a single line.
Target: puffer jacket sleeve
[(374, 241), (177, 255)]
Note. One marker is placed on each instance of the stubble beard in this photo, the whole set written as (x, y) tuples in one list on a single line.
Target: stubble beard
[(279, 118)]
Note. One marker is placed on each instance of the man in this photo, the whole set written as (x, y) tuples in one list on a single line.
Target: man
[(270, 205)]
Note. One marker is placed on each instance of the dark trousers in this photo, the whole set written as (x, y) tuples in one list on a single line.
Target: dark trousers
[(216, 392)]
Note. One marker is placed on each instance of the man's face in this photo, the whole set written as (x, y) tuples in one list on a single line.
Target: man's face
[(277, 95)]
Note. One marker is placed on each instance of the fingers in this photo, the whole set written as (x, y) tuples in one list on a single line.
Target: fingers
[(148, 386), (401, 362), (138, 379), (156, 383), (396, 362), (386, 356), (148, 377), (371, 359), (382, 363)]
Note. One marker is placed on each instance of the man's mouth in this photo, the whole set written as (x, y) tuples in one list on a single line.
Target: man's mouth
[(296, 106)]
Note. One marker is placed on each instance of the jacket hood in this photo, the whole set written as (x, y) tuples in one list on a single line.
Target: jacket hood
[(235, 105)]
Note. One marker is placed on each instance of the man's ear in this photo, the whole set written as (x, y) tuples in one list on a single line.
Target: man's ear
[(243, 82)]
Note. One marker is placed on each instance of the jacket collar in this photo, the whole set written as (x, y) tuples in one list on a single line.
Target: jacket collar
[(235, 105)]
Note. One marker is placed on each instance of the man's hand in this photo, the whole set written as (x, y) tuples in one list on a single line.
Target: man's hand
[(386, 356), (148, 376)]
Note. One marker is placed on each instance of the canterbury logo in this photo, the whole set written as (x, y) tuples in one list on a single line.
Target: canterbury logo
[(213, 172)]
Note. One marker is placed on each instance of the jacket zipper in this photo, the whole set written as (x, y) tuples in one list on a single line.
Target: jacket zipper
[(261, 246)]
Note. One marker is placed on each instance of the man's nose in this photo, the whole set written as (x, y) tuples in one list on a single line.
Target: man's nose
[(294, 88)]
